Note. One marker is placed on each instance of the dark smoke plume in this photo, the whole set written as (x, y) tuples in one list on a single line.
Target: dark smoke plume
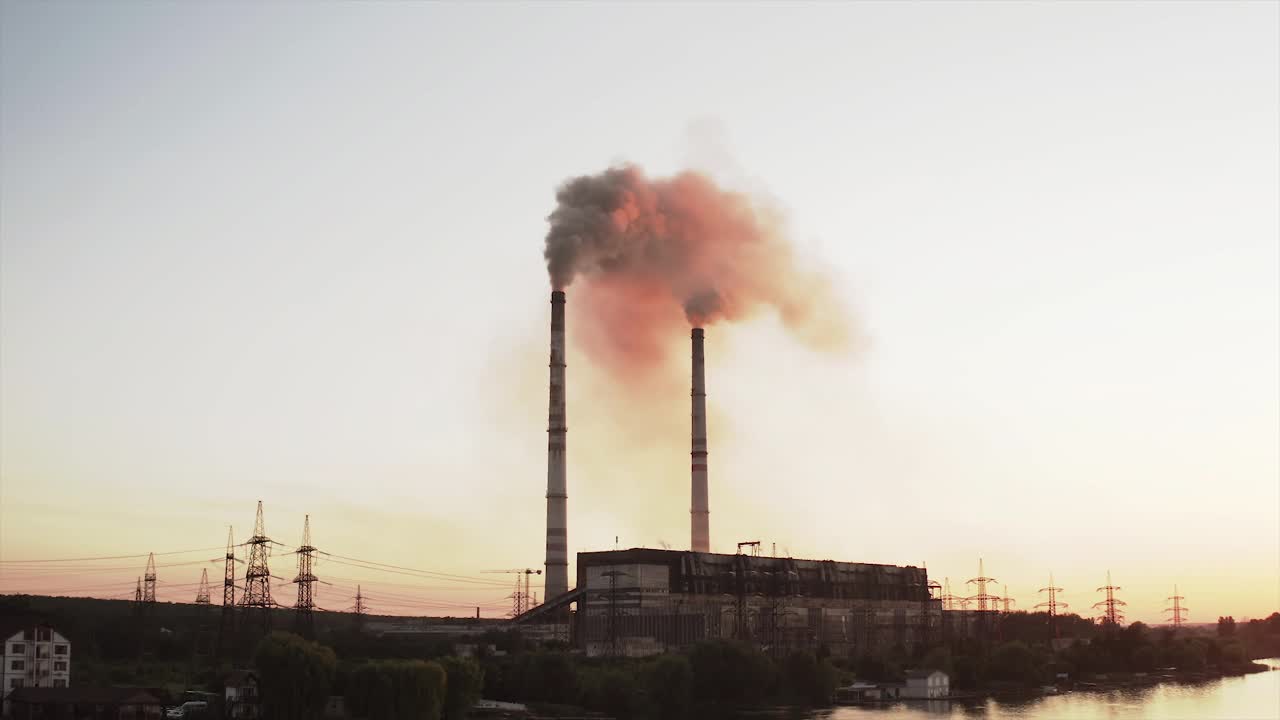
[(641, 252)]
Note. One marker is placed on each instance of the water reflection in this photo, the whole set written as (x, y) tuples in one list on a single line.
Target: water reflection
[(1252, 697)]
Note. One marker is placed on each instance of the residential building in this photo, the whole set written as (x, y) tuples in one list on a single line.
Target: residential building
[(32, 654), (926, 685)]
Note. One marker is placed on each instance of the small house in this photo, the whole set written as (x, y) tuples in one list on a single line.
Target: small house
[(240, 695), (926, 685)]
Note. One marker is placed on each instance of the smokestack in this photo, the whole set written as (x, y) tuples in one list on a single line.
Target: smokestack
[(700, 514), (557, 565)]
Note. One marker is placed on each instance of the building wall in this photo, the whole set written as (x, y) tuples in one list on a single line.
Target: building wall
[(639, 602), (35, 657)]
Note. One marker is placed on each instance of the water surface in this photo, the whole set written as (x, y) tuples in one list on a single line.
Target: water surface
[(1251, 697)]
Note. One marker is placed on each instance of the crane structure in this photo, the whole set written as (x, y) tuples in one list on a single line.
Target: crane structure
[(1110, 607), (520, 598), (1179, 611), (986, 601)]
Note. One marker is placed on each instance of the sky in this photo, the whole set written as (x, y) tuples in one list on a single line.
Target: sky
[(292, 252)]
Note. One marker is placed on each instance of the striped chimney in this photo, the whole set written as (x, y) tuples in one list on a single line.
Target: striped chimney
[(700, 513), (557, 565)]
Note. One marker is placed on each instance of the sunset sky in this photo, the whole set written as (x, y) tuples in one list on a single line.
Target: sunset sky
[(292, 252)]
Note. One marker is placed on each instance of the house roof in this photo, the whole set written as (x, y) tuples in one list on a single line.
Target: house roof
[(84, 694), (922, 674), (11, 626), (238, 678)]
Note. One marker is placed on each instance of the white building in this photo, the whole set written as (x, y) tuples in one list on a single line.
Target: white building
[(926, 685), (241, 695), (33, 655)]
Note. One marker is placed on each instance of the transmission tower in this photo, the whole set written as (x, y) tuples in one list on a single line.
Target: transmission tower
[(149, 581), (1179, 615), (226, 624), (202, 593), (304, 618), (985, 600), (950, 600), (520, 597), (137, 597), (1111, 613), (257, 577), (1007, 601), (359, 608), (1053, 605)]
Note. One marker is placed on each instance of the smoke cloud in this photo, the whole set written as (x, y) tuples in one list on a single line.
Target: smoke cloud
[(649, 257)]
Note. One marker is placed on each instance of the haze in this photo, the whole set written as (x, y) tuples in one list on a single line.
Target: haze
[(293, 252)]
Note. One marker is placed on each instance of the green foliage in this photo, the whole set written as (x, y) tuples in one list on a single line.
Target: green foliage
[(669, 687), (294, 677), (810, 681), (611, 690), (730, 673), (395, 690), (464, 681), (1226, 626), (1015, 662)]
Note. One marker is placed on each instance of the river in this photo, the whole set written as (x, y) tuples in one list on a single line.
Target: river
[(1251, 697)]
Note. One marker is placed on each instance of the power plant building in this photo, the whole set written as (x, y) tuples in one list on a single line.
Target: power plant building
[(644, 601)]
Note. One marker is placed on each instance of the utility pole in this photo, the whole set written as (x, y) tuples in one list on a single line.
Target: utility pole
[(1053, 605), (304, 618), (1179, 611), (149, 581), (202, 593), (1111, 613), (613, 610), (257, 577)]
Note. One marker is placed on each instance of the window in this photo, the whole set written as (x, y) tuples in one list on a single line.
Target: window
[(18, 665), (59, 683), (59, 649), (18, 649), (59, 665), (15, 683)]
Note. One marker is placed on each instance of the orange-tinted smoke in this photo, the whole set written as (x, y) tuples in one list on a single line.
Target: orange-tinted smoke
[(648, 258)]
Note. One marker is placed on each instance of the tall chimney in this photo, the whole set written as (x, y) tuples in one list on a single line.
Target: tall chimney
[(700, 514), (557, 565)]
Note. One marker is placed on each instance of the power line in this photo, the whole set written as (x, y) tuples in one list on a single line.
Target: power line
[(112, 557)]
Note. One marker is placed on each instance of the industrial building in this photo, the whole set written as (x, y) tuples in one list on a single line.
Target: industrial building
[(643, 601)]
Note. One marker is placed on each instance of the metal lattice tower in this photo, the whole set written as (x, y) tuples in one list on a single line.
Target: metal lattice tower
[(149, 581), (1053, 605), (1007, 601), (949, 600), (359, 608), (202, 593), (1179, 615), (304, 618), (226, 624), (257, 576), (1111, 613), (137, 595), (986, 601)]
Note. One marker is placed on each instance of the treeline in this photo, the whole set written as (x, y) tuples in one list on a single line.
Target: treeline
[(714, 676), (297, 678)]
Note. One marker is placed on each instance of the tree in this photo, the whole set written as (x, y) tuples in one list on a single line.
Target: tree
[(1226, 626), (395, 690), (1015, 662), (294, 677), (464, 680), (669, 686)]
